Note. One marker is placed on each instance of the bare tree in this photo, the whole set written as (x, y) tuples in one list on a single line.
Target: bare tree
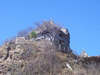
[(25, 33)]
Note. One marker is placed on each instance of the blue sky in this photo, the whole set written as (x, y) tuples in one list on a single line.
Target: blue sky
[(81, 17)]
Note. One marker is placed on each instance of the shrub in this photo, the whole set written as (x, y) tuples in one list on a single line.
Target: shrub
[(33, 34)]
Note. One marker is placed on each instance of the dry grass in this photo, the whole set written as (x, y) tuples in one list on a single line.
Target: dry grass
[(46, 60)]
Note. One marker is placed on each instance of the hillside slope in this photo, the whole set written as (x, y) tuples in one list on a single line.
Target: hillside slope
[(45, 51)]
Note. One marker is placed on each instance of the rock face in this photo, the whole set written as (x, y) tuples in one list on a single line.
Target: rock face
[(57, 35), (62, 41)]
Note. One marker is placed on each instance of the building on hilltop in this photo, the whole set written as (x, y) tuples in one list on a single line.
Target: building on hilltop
[(20, 40)]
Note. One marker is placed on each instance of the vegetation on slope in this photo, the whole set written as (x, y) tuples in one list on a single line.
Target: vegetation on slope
[(47, 52)]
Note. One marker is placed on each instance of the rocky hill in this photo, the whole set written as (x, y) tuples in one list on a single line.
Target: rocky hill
[(45, 50)]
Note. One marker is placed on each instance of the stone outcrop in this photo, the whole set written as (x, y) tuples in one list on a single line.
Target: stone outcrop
[(57, 35)]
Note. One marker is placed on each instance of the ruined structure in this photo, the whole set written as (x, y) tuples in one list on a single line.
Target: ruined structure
[(20, 40)]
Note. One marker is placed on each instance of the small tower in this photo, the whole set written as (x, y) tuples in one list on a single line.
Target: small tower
[(83, 54)]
